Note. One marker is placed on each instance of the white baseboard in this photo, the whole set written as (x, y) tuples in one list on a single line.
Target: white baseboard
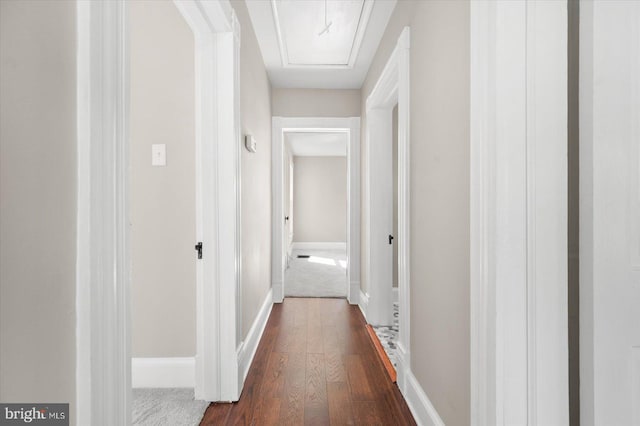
[(421, 407), (163, 372), (363, 303), (247, 349), (319, 246)]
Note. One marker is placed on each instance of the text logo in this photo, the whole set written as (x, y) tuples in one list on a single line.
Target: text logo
[(34, 414)]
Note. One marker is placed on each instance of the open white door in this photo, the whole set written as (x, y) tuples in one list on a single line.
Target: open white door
[(610, 213), (380, 146), (291, 217)]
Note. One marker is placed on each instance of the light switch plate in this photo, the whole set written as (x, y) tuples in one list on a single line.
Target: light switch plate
[(158, 154)]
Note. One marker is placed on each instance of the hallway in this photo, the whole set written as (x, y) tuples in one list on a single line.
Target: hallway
[(315, 365)]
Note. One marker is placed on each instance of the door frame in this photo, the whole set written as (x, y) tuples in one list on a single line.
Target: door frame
[(350, 126), (103, 346), (519, 316), (609, 110), (392, 87)]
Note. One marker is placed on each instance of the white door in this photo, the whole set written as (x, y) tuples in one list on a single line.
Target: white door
[(290, 228), (610, 213), (380, 311)]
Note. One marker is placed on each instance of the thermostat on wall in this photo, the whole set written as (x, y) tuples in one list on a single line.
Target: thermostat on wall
[(250, 143)]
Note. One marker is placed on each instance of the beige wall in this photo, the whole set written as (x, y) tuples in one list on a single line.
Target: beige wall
[(316, 102), (37, 201), (320, 199), (439, 161), (255, 91), (163, 283)]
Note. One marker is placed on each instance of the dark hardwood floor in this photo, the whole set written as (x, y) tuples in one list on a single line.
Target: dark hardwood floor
[(315, 365)]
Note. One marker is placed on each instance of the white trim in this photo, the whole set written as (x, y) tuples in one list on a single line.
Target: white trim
[(319, 246), (392, 87), (367, 7), (363, 303), (421, 407), (247, 349), (518, 322), (351, 126), (163, 372), (609, 210), (635, 384), (102, 268), (403, 368)]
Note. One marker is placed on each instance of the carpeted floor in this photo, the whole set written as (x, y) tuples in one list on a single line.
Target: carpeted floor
[(322, 274), (166, 407), (388, 336)]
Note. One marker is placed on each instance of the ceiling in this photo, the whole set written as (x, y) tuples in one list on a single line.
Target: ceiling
[(316, 144), (298, 54)]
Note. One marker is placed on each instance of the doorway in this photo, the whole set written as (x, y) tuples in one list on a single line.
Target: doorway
[(103, 376), (389, 97), (387, 333), (284, 223), (162, 214), (315, 214)]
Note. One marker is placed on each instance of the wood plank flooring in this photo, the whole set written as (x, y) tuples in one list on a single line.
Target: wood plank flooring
[(315, 365)]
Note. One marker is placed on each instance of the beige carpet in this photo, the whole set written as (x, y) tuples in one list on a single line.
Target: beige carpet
[(323, 274)]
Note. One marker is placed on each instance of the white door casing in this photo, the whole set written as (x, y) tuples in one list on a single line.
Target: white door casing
[(610, 213), (519, 342), (391, 88), (103, 371), (350, 126)]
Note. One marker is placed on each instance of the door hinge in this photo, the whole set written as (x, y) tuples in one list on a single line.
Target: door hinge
[(199, 249), (390, 239)]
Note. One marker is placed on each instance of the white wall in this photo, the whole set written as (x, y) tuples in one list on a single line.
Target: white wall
[(37, 201), (255, 101), (162, 96), (609, 213), (315, 103), (320, 199), (439, 227)]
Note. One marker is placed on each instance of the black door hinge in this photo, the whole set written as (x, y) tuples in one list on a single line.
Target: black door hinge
[(199, 249), (390, 239)]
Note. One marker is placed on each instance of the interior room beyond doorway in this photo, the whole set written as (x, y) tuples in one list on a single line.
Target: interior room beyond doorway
[(315, 205)]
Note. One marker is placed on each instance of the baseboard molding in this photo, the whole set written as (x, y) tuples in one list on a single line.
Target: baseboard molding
[(319, 246), (163, 372), (421, 407), (404, 365), (363, 303), (247, 349)]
